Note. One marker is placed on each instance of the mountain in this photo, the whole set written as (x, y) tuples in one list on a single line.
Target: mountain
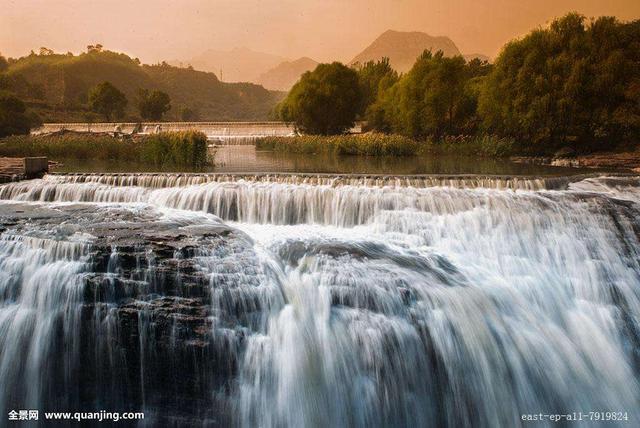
[(237, 65), (57, 87), (481, 57), (403, 48), (283, 76)]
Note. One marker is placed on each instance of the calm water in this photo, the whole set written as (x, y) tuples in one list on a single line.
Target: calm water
[(248, 159)]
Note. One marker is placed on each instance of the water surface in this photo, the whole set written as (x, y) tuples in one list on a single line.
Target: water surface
[(246, 158)]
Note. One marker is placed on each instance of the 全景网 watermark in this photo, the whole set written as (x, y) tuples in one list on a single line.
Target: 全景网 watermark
[(100, 416)]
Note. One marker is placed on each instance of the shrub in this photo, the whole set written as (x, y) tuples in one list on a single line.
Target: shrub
[(184, 149), (364, 144)]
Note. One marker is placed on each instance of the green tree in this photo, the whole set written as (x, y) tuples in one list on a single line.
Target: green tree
[(107, 100), (375, 77), (13, 116), (152, 105), (574, 83), (324, 101), (4, 64), (436, 97)]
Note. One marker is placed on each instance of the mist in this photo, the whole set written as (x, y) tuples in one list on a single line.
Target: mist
[(322, 29)]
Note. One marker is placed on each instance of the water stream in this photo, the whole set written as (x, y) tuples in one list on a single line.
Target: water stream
[(315, 300)]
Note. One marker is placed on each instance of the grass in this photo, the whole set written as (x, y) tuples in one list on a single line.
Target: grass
[(473, 145), (185, 149), (375, 144), (362, 144)]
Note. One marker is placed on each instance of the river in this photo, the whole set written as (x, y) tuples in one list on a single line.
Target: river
[(310, 300)]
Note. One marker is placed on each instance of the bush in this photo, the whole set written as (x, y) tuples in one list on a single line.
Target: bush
[(183, 149), (364, 144), (477, 145), (187, 148)]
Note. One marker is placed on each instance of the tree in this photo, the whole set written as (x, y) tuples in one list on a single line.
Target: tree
[(375, 77), (188, 114), (107, 100), (13, 116), (152, 105), (436, 97), (574, 83), (4, 64), (324, 101)]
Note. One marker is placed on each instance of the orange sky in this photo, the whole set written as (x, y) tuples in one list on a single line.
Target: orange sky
[(155, 30)]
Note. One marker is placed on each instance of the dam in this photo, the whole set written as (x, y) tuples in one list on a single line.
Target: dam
[(317, 300), (225, 132)]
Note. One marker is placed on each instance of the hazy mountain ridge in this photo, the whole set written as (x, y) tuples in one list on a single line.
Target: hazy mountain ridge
[(237, 65), (283, 76), (58, 86), (403, 48)]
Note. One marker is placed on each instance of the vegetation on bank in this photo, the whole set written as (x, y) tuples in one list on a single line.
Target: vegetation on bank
[(372, 144), (379, 144), (574, 84), (57, 86), (166, 149)]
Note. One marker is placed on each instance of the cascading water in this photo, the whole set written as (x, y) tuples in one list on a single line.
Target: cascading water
[(321, 301)]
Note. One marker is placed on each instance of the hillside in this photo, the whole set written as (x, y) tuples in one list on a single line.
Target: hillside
[(286, 74), (402, 48), (478, 56), (237, 65), (57, 87)]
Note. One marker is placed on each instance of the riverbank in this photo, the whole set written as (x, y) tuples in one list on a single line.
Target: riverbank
[(626, 160), (179, 149)]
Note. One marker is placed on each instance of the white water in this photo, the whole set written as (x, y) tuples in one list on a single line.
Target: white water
[(389, 304)]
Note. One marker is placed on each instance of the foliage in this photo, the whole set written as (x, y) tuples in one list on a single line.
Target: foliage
[(575, 83), (58, 86), (107, 100), (152, 105), (375, 77), (188, 114), (13, 116), (4, 64), (437, 97), (324, 101), (371, 144), (184, 149), (478, 145)]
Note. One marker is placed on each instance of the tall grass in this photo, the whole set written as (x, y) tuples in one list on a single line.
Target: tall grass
[(185, 149), (364, 144), (473, 145), (375, 144)]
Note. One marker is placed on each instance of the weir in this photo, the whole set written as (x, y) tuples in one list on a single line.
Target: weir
[(221, 132), (317, 300)]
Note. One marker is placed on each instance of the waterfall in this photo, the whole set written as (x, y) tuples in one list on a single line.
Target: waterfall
[(313, 300)]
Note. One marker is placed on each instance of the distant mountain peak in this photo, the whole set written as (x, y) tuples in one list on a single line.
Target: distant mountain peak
[(403, 48), (239, 64), (283, 76)]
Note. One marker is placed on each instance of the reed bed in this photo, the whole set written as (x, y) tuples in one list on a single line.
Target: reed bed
[(363, 144), (185, 149)]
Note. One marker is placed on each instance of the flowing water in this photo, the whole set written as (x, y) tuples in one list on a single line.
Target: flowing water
[(314, 300)]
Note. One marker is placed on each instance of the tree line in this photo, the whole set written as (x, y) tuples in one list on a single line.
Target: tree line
[(110, 102), (575, 83)]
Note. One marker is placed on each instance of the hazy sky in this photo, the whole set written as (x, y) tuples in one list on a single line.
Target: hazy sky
[(156, 30)]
